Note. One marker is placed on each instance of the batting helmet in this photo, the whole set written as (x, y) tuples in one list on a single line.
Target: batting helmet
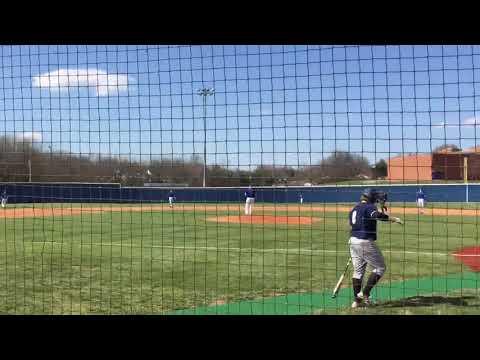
[(373, 196), (382, 196), (369, 195)]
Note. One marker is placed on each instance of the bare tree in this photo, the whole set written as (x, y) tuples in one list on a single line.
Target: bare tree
[(340, 165)]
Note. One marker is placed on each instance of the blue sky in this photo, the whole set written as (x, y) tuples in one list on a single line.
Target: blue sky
[(287, 105)]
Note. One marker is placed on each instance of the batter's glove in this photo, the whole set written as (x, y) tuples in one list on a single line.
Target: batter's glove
[(382, 199)]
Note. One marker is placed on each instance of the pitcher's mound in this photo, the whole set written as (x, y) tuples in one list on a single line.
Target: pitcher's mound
[(265, 219)]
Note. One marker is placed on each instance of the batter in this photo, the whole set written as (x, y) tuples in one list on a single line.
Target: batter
[(363, 248)]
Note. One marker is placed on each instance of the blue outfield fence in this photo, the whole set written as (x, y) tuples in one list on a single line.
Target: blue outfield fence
[(78, 192)]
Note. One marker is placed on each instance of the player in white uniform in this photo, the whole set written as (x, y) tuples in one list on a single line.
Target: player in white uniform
[(249, 200), (4, 199), (301, 199)]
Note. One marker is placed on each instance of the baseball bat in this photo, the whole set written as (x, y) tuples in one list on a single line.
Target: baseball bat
[(340, 281)]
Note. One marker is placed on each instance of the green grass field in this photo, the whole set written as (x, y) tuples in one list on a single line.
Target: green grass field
[(160, 262)]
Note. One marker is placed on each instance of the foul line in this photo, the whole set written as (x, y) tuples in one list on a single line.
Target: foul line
[(246, 250)]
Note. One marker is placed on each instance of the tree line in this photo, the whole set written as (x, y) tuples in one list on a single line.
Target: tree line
[(62, 166)]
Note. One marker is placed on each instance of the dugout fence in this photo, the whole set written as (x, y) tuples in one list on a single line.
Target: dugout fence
[(115, 193)]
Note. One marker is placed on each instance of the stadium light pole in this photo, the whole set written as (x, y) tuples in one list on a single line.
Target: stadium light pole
[(205, 92)]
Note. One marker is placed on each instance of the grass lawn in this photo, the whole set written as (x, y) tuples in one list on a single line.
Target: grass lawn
[(156, 262)]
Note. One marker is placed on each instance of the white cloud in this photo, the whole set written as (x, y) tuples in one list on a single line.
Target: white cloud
[(468, 122), (472, 121), (443, 124), (29, 136), (62, 79)]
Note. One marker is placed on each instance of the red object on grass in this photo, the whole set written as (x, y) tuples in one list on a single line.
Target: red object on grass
[(470, 256)]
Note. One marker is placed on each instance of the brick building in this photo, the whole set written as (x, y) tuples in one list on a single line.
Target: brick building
[(442, 165), (410, 168)]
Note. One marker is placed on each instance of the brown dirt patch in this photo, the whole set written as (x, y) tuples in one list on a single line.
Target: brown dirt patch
[(259, 208), (469, 256), (264, 219), (43, 212)]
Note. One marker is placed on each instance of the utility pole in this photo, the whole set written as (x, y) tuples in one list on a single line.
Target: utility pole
[(30, 161), (465, 176), (205, 92)]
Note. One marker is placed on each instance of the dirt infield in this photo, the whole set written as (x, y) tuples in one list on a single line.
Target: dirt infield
[(469, 256), (265, 219), (45, 212), (259, 209)]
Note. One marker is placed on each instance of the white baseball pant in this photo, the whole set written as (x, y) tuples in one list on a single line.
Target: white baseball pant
[(365, 252), (249, 205)]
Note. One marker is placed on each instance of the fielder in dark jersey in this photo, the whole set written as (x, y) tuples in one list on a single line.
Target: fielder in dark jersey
[(171, 198), (249, 200), (363, 249)]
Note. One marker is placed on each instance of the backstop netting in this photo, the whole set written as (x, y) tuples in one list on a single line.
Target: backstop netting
[(223, 179)]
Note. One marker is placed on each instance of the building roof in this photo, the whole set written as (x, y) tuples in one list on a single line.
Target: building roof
[(411, 157), (447, 151), (473, 149)]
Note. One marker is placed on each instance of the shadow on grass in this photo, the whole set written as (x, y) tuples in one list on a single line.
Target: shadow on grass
[(429, 301)]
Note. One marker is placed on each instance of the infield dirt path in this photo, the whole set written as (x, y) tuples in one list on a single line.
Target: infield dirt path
[(258, 209), (264, 219)]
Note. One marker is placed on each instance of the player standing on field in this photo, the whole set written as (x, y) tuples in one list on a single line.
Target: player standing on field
[(421, 200), (171, 198), (249, 200), (363, 248), (4, 198), (301, 199)]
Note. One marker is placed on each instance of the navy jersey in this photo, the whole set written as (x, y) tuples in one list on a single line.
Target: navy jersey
[(420, 195), (250, 193), (363, 220), (171, 194)]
